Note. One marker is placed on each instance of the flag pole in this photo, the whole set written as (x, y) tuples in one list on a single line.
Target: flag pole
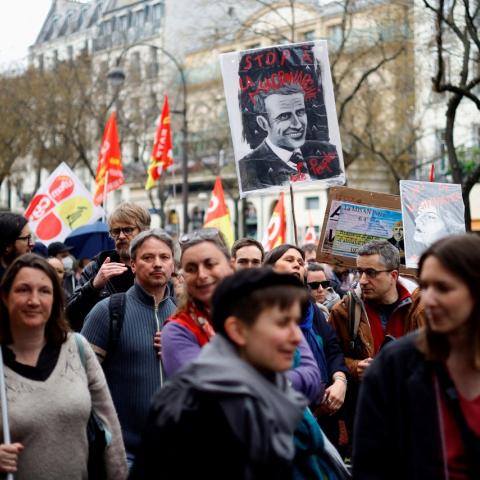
[(3, 400), (293, 215), (105, 197)]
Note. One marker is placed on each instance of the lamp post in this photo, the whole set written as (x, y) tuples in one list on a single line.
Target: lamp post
[(116, 77)]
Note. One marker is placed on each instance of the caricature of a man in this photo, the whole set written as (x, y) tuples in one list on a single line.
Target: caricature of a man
[(284, 155)]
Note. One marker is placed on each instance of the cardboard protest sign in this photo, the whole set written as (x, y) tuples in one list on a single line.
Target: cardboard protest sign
[(354, 217), (430, 211), (282, 117), (60, 206)]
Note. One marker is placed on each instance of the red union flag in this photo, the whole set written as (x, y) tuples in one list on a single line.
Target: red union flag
[(218, 215), (277, 227), (310, 235), (109, 162), (161, 157)]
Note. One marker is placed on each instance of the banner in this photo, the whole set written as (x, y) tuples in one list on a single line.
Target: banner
[(61, 205), (109, 162), (161, 157), (430, 211), (276, 233), (217, 215), (282, 117), (354, 217)]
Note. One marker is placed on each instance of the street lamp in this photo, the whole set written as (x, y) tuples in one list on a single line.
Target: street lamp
[(116, 77)]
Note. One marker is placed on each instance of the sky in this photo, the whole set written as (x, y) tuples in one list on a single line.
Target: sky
[(20, 23)]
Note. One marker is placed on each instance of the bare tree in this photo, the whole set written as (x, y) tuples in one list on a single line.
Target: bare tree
[(457, 39)]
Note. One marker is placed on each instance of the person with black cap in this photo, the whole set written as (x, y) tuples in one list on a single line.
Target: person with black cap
[(61, 251), (236, 390)]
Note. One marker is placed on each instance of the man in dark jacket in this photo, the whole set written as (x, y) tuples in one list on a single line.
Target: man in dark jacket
[(109, 272)]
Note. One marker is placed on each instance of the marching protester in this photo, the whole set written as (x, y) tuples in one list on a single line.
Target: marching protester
[(15, 240), (50, 390), (379, 309), (247, 253), (205, 260), (418, 412), (325, 296), (109, 272), (236, 391), (62, 251), (124, 331), (322, 340)]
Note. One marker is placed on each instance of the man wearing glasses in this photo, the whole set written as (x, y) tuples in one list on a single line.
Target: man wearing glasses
[(15, 240), (110, 271), (380, 308)]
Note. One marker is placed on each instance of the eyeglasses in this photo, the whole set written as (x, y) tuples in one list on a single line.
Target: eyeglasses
[(199, 235), (315, 285), (127, 231), (369, 272), (27, 238)]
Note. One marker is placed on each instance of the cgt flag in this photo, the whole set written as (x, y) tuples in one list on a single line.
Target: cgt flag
[(218, 215), (277, 227), (109, 169), (161, 157)]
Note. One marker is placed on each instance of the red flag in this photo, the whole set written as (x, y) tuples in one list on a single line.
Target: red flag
[(161, 157), (432, 173), (277, 227), (310, 235), (218, 215), (109, 162)]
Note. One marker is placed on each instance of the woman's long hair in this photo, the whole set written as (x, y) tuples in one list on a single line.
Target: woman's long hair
[(57, 327), (460, 254)]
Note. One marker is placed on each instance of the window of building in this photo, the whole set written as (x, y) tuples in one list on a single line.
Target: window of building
[(312, 203), (310, 35), (123, 23), (157, 12), (70, 52), (441, 156), (335, 35), (251, 221)]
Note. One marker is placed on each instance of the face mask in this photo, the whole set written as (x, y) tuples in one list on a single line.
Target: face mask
[(67, 263)]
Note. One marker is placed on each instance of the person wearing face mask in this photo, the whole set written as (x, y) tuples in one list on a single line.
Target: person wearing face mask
[(62, 251)]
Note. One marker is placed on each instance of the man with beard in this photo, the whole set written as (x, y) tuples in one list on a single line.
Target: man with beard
[(132, 363), (109, 272), (380, 308), (16, 238), (284, 155)]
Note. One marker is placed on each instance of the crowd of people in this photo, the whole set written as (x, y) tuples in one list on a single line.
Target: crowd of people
[(208, 361)]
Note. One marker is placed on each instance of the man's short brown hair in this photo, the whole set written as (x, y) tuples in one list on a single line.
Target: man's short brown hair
[(128, 212)]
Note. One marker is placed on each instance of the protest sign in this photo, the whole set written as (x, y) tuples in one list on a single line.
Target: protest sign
[(61, 205), (430, 211), (282, 117), (354, 217)]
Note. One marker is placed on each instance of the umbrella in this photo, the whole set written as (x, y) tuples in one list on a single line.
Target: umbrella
[(88, 240)]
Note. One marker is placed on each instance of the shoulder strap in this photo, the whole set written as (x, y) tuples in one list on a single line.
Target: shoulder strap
[(354, 314), (81, 351), (116, 310)]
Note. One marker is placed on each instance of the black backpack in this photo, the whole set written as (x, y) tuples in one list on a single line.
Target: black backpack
[(116, 310)]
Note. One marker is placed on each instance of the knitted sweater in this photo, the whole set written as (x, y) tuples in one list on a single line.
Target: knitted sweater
[(50, 418), (133, 369)]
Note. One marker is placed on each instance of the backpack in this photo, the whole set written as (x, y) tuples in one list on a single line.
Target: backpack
[(116, 310)]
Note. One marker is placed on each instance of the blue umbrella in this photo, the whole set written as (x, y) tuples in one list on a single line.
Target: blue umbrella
[(88, 240)]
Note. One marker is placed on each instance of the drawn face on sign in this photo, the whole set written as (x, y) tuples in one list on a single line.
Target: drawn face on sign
[(429, 226), (285, 121)]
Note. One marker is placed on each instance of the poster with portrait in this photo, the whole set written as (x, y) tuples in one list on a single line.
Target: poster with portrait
[(430, 211), (282, 117), (354, 217)]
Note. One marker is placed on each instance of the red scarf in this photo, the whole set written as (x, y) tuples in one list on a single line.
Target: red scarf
[(196, 321), (395, 324)]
